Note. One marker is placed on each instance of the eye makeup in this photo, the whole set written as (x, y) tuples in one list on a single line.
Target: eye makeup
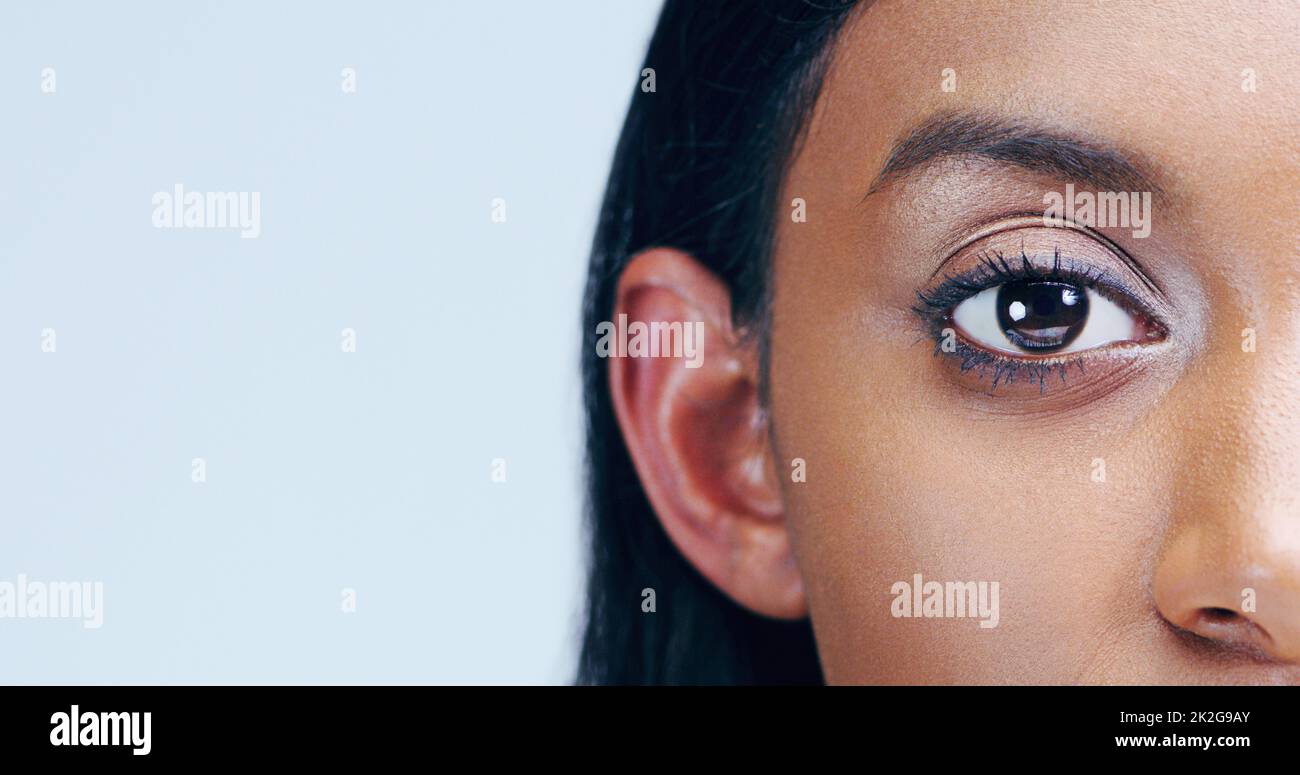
[(1037, 306)]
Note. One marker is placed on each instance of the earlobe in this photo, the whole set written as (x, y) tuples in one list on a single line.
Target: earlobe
[(696, 431)]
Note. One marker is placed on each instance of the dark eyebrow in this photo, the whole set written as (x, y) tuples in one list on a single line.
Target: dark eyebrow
[(1040, 149)]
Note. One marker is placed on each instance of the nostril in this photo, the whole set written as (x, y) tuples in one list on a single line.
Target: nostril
[(1229, 628), (1218, 615)]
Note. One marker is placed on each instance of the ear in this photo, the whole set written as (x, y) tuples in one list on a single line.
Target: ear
[(697, 433)]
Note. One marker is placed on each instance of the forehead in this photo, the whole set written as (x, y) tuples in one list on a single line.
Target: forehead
[(1180, 76)]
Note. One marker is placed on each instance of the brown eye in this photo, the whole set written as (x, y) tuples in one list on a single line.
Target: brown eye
[(1045, 317), (1041, 315)]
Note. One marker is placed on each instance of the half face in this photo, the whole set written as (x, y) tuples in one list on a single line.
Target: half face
[(1096, 407)]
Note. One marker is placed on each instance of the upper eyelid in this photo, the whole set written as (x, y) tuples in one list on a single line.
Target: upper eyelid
[(957, 288), (1029, 220), (1020, 267)]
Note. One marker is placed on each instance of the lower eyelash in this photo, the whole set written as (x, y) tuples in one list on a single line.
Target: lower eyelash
[(1002, 370)]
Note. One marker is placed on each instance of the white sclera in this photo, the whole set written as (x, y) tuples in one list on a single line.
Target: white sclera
[(1107, 322)]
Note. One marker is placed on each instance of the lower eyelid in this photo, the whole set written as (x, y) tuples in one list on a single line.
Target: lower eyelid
[(1084, 375)]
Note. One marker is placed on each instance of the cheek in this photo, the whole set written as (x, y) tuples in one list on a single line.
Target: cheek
[(902, 479)]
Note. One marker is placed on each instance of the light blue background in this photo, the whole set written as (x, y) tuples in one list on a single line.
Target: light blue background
[(325, 470)]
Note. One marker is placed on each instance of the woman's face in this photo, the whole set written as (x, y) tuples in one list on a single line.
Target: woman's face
[(1125, 464)]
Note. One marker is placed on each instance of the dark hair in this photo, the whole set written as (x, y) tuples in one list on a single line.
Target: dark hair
[(699, 166)]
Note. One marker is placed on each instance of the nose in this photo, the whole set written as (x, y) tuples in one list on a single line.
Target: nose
[(1240, 593), (1228, 563)]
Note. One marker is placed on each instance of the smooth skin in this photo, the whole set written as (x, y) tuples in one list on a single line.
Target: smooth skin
[(913, 466)]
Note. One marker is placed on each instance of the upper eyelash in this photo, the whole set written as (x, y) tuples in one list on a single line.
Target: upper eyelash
[(996, 269)]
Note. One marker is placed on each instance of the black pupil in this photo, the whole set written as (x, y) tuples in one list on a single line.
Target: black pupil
[(1041, 315)]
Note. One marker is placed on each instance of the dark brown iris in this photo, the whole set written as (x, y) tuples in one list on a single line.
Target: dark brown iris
[(1040, 315)]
